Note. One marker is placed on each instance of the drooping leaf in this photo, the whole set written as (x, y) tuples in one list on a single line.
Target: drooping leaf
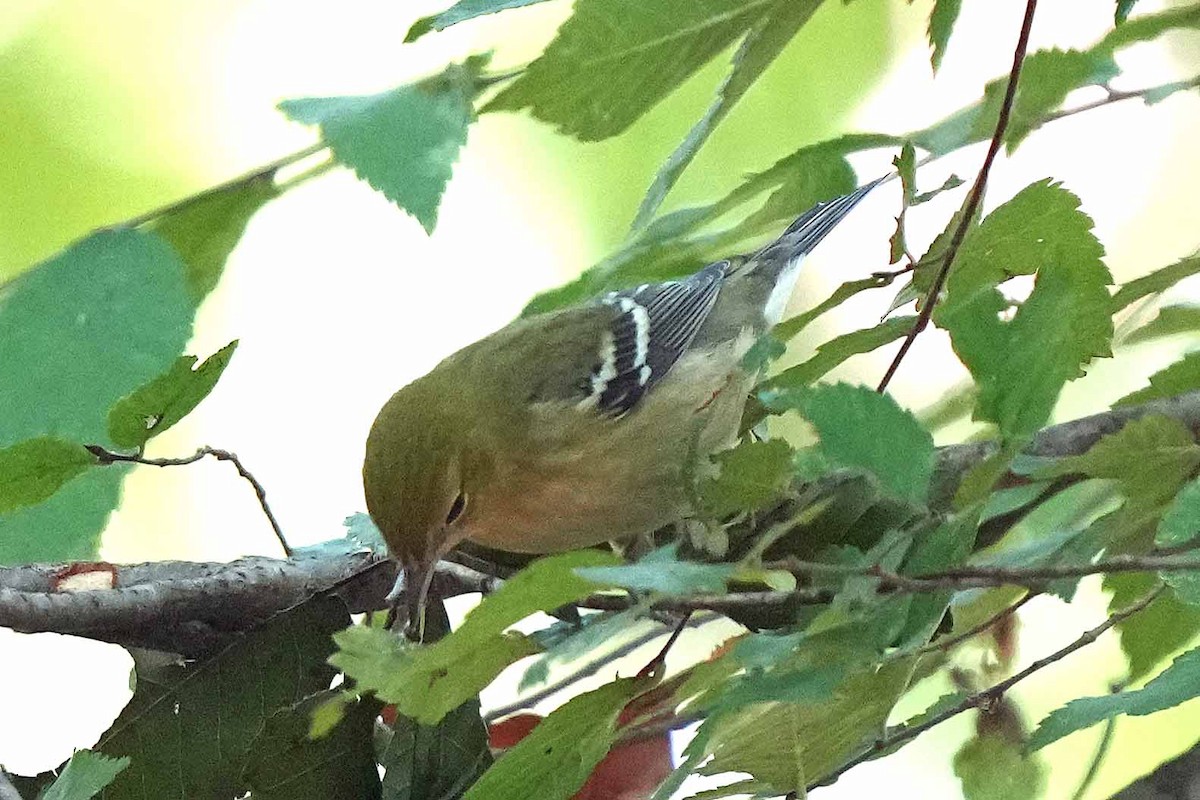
[(838, 350), (33, 470), (462, 11), (78, 332), (663, 572), (404, 141), (157, 405), (455, 669), (751, 475), (285, 764), (762, 44), (554, 760), (1171, 321), (906, 168), (1181, 522), (167, 728), (206, 231), (436, 760), (941, 24), (1176, 684), (1157, 281), (862, 428), (994, 766), (1182, 376), (84, 776)]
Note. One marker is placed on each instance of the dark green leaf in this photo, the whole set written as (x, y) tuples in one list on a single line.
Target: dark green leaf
[(1154, 633), (867, 430), (1181, 522), (205, 232), (462, 11), (1157, 281), (947, 545), (790, 327), (456, 668), (1176, 684), (1171, 321), (168, 727), (78, 332), (554, 760), (751, 475), (765, 350), (85, 776), (615, 59), (1182, 376), (157, 405), (661, 571), (941, 24), (770, 34), (404, 141), (836, 351), (284, 764), (33, 470), (424, 761), (993, 766)]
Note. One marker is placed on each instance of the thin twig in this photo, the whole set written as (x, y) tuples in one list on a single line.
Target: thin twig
[(1102, 747), (991, 694), (974, 199), (105, 457), (947, 642), (1113, 96)]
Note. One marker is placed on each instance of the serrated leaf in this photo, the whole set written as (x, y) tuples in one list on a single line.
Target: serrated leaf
[(838, 350), (554, 760), (455, 669), (84, 776), (941, 24), (167, 728), (33, 470), (765, 740), (285, 764), (751, 475), (462, 11), (991, 766), (1171, 321), (77, 332), (867, 430), (615, 59), (906, 168), (1154, 633), (206, 231), (663, 572), (776, 27), (423, 761), (157, 405), (1021, 365), (1182, 376), (1176, 684), (1181, 522), (404, 141), (1157, 281), (1047, 77)]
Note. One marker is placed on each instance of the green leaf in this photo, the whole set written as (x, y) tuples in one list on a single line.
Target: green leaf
[(1171, 321), (206, 231), (941, 24), (838, 350), (776, 27), (1182, 376), (168, 727), (1181, 522), (906, 168), (1176, 684), (947, 545), (1047, 77), (952, 182), (790, 327), (1154, 633), (1022, 365), (284, 764), (554, 760), (661, 571), (1157, 281), (993, 766), (615, 59), (765, 740), (78, 332), (423, 761), (455, 669), (751, 475), (462, 11), (85, 776), (404, 141), (867, 430), (157, 405), (1122, 12), (33, 470)]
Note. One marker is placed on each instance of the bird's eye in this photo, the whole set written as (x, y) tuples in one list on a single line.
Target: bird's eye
[(457, 508)]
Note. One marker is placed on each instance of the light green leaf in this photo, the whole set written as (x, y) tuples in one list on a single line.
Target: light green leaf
[(941, 24), (462, 11), (554, 760), (1047, 77), (33, 470), (1171, 321), (1182, 376), (766, 40), (661, 571), (862, 428), (455, 669), (157, 405), (993, 766), (1157, 281), (1181, 522), (1176, 684), (765, 740), (85, 776), (751, 475), (423, 761), (790, 327), (838, 350), (404, 141), (206, 231)]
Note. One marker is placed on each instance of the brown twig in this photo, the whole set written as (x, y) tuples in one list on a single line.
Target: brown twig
[(947, 642), (974, 199)]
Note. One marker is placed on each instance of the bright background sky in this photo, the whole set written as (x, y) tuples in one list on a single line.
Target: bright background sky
[(115, 106)]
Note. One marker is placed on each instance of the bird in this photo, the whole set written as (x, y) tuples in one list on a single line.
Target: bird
[(573, 427)]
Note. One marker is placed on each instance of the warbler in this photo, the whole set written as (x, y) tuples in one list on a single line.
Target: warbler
[(574, 427)]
